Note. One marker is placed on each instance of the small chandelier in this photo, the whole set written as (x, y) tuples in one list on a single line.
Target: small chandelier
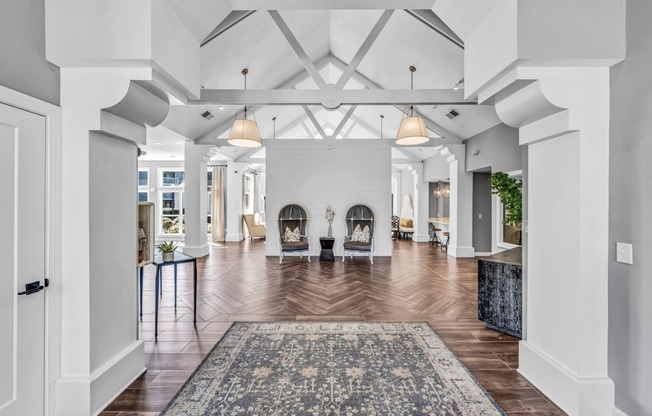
[(244, 131), (412, 129), (442, 191)]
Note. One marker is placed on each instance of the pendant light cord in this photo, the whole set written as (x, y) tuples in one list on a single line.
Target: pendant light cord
[(245, 72)]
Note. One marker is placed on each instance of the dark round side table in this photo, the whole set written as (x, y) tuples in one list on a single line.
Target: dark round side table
[(326, 253)]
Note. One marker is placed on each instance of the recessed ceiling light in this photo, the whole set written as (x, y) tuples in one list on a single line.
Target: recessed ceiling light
[(180, 142), (157, 142), (221, 107)]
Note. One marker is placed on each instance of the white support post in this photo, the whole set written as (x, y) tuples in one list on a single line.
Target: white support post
[(234, 173), (461, 203), (421, 190), (196, 199), (90, 369)]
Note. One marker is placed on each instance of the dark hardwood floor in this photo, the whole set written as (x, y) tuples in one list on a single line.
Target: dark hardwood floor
[(238, 283)]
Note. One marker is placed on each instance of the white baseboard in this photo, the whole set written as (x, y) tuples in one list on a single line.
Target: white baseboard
[(200, 251), (420, 238), (618, 412), (577, 396), (83, 396), (482, 254), (234, 238), (461, 251)]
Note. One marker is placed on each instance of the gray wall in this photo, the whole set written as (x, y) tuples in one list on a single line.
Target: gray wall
[(482, 206), (437, 207), (630, 205), (498, 149), (22, 50)]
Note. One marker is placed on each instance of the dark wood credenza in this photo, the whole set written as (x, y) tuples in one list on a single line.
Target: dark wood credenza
[(500, 292)]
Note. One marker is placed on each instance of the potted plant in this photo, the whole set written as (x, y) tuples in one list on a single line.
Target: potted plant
[(509, 191), (167, 250)]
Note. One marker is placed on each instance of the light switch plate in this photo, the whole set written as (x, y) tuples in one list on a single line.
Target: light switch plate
[(624, 253)]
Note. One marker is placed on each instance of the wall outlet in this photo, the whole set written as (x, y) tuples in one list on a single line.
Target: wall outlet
[(624, 253), (480, 216)]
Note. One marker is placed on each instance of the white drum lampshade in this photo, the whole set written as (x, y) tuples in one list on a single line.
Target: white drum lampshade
[(412, 131), (244, 131)]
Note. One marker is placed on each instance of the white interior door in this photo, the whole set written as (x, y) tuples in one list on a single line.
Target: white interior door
[(22, 261)]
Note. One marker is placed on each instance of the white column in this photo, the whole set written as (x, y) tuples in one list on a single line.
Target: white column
[(82, 384), (461, 203), (196, 199), (421, 191), (565, 353), (234, 173)]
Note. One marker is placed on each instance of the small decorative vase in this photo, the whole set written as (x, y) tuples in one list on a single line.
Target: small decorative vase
[(330, 231), (168, 256)]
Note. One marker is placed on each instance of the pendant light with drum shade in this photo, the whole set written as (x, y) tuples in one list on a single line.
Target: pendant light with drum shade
[(244, 131), (412, 129)]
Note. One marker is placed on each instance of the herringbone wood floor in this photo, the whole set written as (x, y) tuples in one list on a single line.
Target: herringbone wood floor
[(238, 283)]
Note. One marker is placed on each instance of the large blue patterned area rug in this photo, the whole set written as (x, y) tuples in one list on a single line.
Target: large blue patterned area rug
[(331, 368)]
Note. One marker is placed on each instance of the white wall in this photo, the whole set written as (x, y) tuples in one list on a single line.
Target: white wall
[(313, 176), (436, 168)]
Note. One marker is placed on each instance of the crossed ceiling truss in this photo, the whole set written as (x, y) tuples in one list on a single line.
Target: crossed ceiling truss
[(333, 95)]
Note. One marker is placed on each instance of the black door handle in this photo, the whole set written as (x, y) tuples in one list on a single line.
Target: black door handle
[(31, 288)]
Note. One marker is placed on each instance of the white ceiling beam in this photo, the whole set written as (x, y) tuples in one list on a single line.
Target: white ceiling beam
[(371, 96), (291, 82), (431, 125), (298, 49), (314, 120), (229, 21), (330, 4), (364, 48), (346, 118), (430, 19)]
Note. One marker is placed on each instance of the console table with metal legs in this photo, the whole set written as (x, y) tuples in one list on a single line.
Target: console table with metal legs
[(179, 258)]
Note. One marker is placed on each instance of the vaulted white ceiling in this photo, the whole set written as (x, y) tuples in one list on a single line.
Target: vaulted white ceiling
[(331, 39)]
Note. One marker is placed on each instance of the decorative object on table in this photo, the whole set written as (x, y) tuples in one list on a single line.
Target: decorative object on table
[(330, 214), (167, 250), (145, 233), (294, 219), (404, 369), (255, 230), (500, 291), (509, 190), (359, 218), (412, 129), (244, 131)]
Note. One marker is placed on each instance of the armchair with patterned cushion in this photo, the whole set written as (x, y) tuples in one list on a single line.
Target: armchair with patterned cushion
[(292, 225), (255, 230), (359, 239), (405, 227)]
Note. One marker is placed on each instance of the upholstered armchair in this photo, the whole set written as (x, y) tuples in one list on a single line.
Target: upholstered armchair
[(255, 230), (405, 227), (292, 226), (359, 239)]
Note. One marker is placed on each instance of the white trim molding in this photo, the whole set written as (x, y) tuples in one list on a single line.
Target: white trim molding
[(575, 395), (52, 114)]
